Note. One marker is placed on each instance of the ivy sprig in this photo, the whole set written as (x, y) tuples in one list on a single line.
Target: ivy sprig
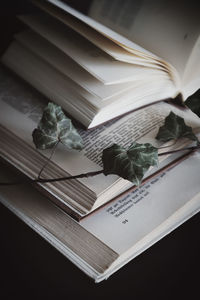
[(53, 128), (175, 128), (130, 164)]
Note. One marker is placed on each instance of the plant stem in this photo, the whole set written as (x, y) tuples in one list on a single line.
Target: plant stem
[(178, 150), (48, 160), (83, 175), (167, 146), (42, 180)]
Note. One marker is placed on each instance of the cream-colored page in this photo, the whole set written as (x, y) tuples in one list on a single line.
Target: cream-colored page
[(50, 222), (69, 67), (125, 222), (25, 108), (55, 226), (105, 68), (119, 39), (77, 81), (98, 39), (73, 98), (191, 79), (167, 28)]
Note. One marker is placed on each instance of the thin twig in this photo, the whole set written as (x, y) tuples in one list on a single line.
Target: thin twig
[(48, 160), (178, 150), (167, 146), (43, 180), (83, 175), (144, 181)]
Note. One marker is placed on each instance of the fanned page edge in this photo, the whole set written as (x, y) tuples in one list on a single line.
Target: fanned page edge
[(104, 30), (47, 219), (115, 37), (190, 82), (98, 39)]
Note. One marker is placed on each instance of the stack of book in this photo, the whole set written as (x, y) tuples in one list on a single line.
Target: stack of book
[(100, 78)]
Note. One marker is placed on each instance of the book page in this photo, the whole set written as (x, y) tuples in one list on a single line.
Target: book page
[(22, 103), (105, 68), (78, 82), (107, 45), (191, 79), (126, 221), (69, 67), (55, 226), (78, 244), (77, 101), (117, 38), (167, 28)]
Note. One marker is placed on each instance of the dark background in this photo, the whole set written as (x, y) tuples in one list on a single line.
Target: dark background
[(33, 269)]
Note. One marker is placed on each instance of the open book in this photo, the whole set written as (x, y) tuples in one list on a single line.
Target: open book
[(103, 242), (97, 74), (21, 110)]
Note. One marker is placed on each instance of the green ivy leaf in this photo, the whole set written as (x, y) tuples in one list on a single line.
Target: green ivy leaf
[(193, 102), (130, 164), (55, 127), (174, 128)]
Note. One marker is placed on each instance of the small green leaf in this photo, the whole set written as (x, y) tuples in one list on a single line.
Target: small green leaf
[(55, 127), (193, 102), (130, 164), (174, 128)]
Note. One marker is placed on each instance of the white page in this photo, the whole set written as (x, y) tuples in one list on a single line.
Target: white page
[(126, 221), (167, 28), (68, 67), (46, 219), (56, 86), (31, 62), (119, 39), (54, 225), (107, 45), (139, 124), (85, 53), (191, 79)]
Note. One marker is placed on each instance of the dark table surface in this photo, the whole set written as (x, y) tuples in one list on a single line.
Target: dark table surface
[(33, 269)]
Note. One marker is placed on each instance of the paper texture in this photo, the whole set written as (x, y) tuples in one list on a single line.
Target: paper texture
[(119, 39), (102, 42), (168, 29), (106, 69), (126, 221), (142, 126)]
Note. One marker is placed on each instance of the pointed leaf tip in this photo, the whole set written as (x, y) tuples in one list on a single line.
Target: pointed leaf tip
[(130, 164), (193, 102), (174, 128), (55, 127)]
